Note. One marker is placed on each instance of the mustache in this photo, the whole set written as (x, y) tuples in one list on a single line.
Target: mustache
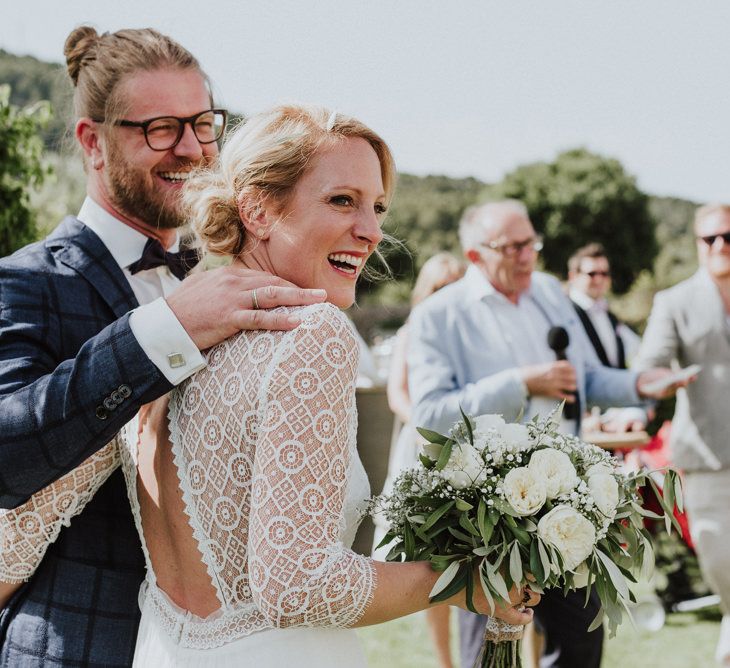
[(183, 165)]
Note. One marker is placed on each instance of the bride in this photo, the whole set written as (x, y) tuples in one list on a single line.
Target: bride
[(246, 486)]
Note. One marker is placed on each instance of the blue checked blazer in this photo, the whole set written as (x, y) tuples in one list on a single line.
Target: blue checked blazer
[(71, 375)]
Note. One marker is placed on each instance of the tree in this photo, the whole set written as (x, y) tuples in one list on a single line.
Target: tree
[(32, 80), (583, 197), (424, 217), (20, 169)]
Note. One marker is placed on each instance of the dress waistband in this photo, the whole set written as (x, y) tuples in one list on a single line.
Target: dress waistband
[(188, 630)]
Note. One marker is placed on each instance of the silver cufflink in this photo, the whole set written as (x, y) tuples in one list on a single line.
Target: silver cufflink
[(176, 360)]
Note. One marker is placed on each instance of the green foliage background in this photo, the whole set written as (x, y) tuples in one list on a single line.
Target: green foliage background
[(574, 198), (582, 197), (21, 169)]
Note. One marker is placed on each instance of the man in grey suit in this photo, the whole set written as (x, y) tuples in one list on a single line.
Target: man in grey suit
[(690, 324), (481, 344)]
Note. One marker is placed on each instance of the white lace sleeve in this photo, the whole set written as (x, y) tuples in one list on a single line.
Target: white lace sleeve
[(300, 572), (28, 530)]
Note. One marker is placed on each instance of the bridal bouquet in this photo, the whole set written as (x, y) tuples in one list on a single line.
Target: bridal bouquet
[(507, 500)]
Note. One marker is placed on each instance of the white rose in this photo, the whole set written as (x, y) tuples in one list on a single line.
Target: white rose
[(571, 533), (484, 422), (524, 490), (517, 436), (601, 467), (604, 490), (557, 470), (465, 467)]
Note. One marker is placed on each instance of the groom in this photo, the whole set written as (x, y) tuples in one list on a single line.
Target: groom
[(94, 323), (481, 344)]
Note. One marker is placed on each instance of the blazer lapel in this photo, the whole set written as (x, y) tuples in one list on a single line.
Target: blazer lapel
[(707, 305), (76, 246)]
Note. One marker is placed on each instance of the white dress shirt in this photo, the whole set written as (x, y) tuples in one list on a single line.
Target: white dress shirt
[(153, 324), (597, 310), (525, 328)]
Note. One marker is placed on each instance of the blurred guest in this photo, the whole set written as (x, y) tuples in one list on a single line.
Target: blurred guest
[(690, 324), (589, 281), (367, 370), (481, 345), (589, 278), (437, 271)]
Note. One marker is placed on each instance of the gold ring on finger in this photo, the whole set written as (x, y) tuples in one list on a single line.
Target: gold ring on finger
[(254, 300)]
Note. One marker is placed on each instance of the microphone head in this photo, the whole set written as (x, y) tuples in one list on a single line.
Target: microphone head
[(558, 338)]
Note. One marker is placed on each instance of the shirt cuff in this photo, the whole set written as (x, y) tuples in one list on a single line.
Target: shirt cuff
[(165, 341), (521, 384)]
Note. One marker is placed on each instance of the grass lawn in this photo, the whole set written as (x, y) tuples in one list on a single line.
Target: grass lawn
[(686, 641)]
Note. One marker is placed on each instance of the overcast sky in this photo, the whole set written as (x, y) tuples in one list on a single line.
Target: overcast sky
[(470, 88)]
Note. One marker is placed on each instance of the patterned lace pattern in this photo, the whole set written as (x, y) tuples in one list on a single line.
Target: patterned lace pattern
[(28, 530), (264, 440)]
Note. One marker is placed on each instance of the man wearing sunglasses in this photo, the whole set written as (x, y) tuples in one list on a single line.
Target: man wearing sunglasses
[(589, 281), (95, 322), (690, 324), (481, 345)]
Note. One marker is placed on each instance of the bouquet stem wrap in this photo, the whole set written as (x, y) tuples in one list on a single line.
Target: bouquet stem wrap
[(501, 646)]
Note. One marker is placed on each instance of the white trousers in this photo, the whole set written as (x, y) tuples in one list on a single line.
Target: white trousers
[(707, 496)]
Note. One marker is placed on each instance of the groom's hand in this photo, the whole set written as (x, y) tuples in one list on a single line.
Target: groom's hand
[(216, 304)]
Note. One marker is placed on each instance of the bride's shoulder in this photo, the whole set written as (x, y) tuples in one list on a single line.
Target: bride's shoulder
[(325, 320)]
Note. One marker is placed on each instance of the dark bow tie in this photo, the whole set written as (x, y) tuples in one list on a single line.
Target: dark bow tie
[(154, 255)]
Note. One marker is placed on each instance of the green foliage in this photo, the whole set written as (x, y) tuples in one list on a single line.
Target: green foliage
[(583, 197), (20, 169), (32, 80), (424, 215), (62, 193)]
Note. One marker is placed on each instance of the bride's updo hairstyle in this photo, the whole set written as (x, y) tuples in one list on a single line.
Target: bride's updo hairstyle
[(98, 64), (262, 159)]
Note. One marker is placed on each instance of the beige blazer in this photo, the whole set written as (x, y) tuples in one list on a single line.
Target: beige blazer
[(689, 324)]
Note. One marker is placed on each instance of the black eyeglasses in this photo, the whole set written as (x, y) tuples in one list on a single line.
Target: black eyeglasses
[(711, 238), (165, 132), (511, 250), (594, 274)]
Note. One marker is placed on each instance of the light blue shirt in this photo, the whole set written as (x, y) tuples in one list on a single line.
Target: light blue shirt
[(461, 354)]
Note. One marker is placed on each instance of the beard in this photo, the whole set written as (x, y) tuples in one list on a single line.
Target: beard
[(133, 193)]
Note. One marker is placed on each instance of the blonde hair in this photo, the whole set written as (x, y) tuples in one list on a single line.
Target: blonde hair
[(436, 272), (709, 210), (98, 64), (263, 158)]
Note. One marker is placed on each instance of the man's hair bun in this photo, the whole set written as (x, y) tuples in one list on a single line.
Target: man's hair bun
[(79, 49)]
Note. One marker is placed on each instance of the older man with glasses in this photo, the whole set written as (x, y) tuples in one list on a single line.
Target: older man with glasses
[(482, 344), (690, 324)]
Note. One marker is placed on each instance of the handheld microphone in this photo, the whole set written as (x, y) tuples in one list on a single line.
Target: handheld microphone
[(558, 340)]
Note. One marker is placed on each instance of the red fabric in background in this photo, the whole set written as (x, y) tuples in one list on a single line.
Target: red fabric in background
[(655, 456)]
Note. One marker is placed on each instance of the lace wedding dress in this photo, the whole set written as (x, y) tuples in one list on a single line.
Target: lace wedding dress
[(28, 530), (264, 441)]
